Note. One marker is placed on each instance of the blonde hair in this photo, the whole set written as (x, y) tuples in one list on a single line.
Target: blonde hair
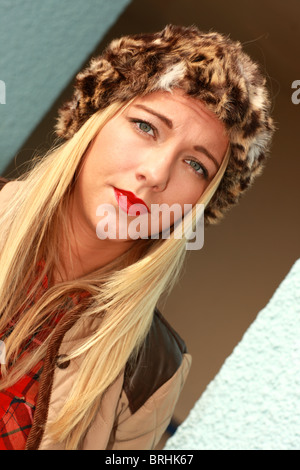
[(124, 293)]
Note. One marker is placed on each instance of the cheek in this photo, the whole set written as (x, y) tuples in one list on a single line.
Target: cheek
[(190, 193), (114, 155)]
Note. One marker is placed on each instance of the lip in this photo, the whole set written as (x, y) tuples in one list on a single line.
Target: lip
[(131, 199)]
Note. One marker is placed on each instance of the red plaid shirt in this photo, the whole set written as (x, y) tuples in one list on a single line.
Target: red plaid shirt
[(17, 403)]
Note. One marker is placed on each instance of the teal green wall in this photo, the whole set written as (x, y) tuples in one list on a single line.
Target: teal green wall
[(43, 44)]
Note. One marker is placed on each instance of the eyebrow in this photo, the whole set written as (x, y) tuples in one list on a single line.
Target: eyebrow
[(169, 123)]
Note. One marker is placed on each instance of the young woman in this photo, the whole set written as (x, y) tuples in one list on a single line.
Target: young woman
[(178, 117)]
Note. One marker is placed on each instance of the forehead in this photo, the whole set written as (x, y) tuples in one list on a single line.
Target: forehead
[(181, 106), (182, 120)]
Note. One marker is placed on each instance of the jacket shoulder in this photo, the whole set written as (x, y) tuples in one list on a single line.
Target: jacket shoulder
[(158, 360)]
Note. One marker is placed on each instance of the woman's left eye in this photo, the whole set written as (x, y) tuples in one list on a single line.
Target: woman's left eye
[(199, 169)]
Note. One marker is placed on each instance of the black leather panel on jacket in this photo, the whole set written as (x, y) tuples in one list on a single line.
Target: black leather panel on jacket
[(158, 360)]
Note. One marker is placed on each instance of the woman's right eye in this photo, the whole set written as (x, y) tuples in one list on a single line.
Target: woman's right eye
[(144, 127)]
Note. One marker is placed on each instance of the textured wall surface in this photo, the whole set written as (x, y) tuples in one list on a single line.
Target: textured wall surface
[(254, 401), (43, 44)]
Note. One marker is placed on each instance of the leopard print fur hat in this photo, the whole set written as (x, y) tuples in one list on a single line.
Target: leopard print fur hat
[(206, 66)]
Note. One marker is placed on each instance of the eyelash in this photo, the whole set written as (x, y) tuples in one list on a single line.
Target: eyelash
[(142, 121)]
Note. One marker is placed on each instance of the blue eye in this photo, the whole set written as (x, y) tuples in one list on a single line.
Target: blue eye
[(198, 168), (144, 127)]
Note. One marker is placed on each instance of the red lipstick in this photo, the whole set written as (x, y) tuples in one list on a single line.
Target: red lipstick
[(131, 199)]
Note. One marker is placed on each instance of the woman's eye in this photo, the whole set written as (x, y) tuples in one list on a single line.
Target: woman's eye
[(199, 169), (144, 127)]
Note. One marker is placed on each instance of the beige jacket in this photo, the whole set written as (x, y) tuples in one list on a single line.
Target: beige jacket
[(127, 419), (136, 409)]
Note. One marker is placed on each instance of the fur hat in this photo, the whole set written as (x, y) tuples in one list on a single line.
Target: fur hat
[(206, 66)]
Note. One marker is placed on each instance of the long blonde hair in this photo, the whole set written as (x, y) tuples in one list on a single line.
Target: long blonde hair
[(125, 292)]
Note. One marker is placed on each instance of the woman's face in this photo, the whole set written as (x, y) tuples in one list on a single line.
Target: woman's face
[(164, 148)]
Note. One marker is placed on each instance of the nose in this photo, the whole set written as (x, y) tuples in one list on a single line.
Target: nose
[(155, 169)]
